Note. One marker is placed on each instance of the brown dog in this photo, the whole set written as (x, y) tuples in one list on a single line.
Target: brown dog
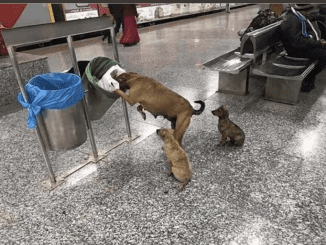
[(158, 100), (227, 128), (178, 161)]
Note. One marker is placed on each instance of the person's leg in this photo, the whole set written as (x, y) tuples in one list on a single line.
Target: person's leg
[(316, 53), (311, 77), (118, 23), (105, 35), (130, 35)]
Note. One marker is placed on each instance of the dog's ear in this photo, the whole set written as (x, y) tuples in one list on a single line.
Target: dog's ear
[(114, 74)]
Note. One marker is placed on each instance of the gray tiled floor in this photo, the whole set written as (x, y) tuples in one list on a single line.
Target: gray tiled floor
[(270, 191)]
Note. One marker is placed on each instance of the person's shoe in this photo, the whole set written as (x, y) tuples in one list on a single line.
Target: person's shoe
[(305, 89), (129, 44), (312, 83)]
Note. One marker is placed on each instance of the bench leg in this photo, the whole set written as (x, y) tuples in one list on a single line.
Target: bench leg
[(284, 91), (234, 83)]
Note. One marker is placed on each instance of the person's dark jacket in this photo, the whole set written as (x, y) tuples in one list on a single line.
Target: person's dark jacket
[(291, 34), (129, 10), (116, 10)]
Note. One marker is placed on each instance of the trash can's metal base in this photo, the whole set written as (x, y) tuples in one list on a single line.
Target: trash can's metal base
[(46, 184), (124, 139)]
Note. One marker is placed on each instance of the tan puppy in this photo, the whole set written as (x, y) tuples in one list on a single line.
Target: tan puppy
[(227, 128), (158, 100), (178, 161)]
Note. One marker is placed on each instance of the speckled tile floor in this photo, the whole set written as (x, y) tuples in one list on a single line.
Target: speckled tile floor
[(270, 191)]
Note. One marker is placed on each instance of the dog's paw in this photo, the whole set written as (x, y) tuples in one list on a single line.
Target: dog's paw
[(229, 144), (181, 187), (221, 144)]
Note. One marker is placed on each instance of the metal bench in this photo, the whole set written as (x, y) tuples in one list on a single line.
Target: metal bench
[(284, 74), (262, 51), (284, 77), (233, 72), (261, 42), (234, 66)]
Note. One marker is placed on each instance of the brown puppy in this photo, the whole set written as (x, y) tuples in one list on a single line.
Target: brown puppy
[(178, 161), (158, 100), (227, 128)]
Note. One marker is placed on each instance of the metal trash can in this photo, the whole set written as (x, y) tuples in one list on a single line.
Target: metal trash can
[(55, 105), (98, 101)]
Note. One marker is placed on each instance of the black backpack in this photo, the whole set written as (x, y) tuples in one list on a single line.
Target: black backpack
[(264, 18)]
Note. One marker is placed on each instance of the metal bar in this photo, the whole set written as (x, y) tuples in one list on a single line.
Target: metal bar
[(247, 80), (114, 44), (45, 155), (37, 130), (88, 123), (125, 111), (26, 35), (73, 55), (15, 65), (90, 131), (124, 105)]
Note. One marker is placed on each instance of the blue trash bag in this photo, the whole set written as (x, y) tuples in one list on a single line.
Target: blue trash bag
[(51, 91)]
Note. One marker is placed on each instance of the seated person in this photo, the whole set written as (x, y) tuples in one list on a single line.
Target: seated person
[(300, 39), (322, 9)]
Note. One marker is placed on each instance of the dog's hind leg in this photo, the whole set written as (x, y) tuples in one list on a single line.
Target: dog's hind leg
[(238, 141), (223, 139), (183, 186), (182, 124), (140, 110)]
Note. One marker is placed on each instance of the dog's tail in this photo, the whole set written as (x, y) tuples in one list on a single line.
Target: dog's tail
[(201, 109)]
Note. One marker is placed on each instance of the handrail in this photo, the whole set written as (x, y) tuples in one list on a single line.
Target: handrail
[(28, 35)]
